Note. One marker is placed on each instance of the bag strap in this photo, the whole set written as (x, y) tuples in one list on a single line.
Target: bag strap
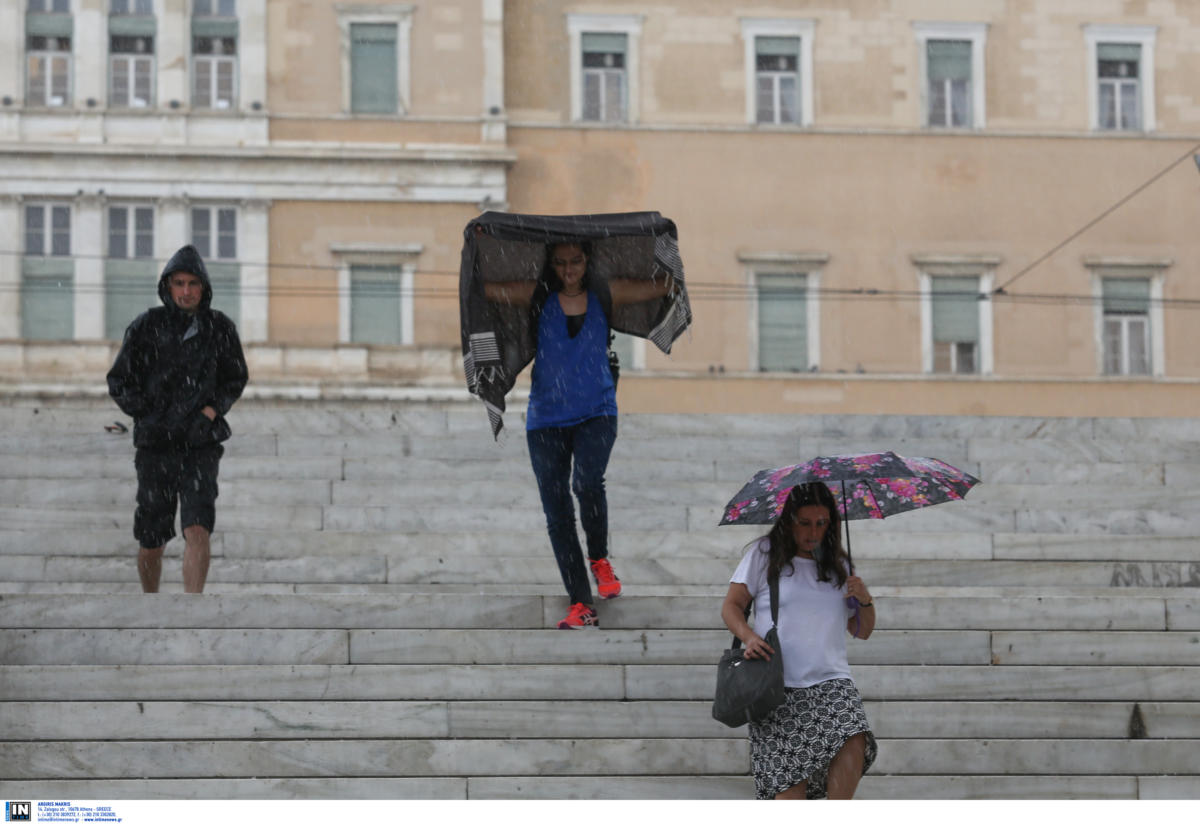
[(773, 588)]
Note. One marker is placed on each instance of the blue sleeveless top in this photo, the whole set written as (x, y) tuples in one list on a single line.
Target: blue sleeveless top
[(571, 378)]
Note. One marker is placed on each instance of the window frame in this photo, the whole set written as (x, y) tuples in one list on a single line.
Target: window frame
[(47, 207), (214, 241), (47, 259), (960, 266), (47, 58), (976, 34), (810, 266), (1152, 270), (133, 9), (402, 257), (605, 77), (399, 14), (131, 209), (805, 30), (121, 271), (50, 10), (628, 24), (216, 60), (1144, 36), (131, 82)]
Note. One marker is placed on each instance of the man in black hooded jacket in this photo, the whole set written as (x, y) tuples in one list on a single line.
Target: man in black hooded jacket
[(179, 371)]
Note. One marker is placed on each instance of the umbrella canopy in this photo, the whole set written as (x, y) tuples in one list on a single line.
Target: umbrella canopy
[(499, 340), (868, 485)]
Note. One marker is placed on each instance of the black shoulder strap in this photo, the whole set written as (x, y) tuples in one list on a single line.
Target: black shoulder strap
[(773, 586)]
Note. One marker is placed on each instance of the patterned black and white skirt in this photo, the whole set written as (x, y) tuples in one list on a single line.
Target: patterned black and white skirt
[(799, 739)]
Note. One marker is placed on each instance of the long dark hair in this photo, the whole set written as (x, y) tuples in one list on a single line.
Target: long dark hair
[(830, 557), (550, 276)]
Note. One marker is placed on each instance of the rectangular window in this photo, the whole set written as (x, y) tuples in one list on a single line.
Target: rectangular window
[(48, 230), (50, 6), (214, 232), (215, 236), (48, 72), (214, 8), (1118, 69), (48, 274), (955, 323), (134, 7), (782, 323), (131, 71), (375, 302), (948, 69), (130, 276), (777, 79), (214, 72), (605, 85), (374, 68), (1126, 326), (130, 232)]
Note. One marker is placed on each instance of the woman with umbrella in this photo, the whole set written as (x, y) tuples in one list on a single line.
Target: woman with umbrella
[(572, 414), (817, 743)]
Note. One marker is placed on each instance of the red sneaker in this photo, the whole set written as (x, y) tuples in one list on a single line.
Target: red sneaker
[(607, 583), (580, 616)]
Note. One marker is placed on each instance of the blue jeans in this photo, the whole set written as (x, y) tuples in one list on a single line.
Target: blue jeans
[(551, 451)]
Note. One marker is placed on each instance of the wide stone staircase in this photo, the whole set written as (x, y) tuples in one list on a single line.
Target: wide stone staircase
[(379, 616)]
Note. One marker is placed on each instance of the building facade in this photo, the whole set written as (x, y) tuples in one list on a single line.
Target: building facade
[(986, 205), (322, 156)]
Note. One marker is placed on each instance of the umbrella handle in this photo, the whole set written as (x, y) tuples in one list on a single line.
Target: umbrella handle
[(846, 519)]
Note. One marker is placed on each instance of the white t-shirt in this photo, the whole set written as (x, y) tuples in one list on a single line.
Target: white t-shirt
[(812, 617)]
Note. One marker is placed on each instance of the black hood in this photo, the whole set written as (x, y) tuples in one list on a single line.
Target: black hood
[(188, 260)]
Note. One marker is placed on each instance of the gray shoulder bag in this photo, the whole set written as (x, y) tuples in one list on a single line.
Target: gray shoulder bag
[(749, 689)]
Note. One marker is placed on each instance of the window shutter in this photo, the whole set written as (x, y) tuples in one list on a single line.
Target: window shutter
[(132, 26), (374, 65), (226, 282), (949, 59), (49, 25), (375, 304), (1127, 296), (48, 299), (1119, 51), (130, 288), (214, 27), (955, 309), (782, 323), (777, 47), (603, 42)]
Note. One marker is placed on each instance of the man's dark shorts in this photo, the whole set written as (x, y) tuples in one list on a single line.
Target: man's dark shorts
[(187, 478)]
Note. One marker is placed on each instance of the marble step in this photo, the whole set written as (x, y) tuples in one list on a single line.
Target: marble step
[(572, 682), (522, 788), (1107, 648), (273, 720), (540, 570), (216, 647), (967, 683), (627, 469), (658, 787), (567, 757), (972, 449), (263, 415), (724, 543), (382, 757), (899, 609), (988, 500)]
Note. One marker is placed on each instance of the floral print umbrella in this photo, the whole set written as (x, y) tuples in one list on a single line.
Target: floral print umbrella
[(870, 485)]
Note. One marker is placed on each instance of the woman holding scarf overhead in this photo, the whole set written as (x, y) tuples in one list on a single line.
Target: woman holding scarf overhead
[(571, 422), (817, 743)]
